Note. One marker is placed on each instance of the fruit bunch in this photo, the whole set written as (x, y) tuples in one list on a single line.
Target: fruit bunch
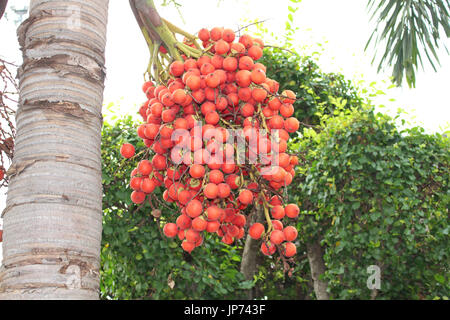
[(218, 132)]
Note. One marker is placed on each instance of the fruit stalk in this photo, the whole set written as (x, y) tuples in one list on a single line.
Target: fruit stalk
[(266, 213), (160, 33)]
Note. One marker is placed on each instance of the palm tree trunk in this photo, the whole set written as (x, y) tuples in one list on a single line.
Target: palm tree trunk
[(53, 214)]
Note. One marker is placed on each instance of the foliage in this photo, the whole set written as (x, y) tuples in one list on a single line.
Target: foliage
[(318, 92), (138, 262), (409, 29), (377, 196)]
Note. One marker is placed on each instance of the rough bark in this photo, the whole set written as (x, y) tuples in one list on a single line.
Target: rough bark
[(317, 266), (249, 263), (53, 215)]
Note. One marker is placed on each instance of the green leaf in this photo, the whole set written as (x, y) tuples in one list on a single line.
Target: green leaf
[(439, 278)]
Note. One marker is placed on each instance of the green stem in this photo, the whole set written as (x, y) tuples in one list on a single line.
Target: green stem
[(266, 213), (189, 36), (157, 30), (155, 22)]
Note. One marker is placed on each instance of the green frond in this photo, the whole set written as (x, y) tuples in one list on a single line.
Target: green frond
[(407, 30)]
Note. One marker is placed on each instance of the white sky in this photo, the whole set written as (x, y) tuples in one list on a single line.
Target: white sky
[(341, 26)]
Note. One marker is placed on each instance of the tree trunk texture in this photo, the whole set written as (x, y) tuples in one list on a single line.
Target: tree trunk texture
[(249, 262), (317, 266), (53, 215)]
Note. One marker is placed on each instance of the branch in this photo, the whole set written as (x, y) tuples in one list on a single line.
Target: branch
[(249, 25), (158, 33), (3, 4)]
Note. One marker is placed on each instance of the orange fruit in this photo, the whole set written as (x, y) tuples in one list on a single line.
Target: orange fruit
[(183, 222), (243, 78), (277, 237), (213, 213), (289, 250), (290, 233), (256, 230), (228, 35), (193, 82), (145, 167), (199, 224), (197, 171), (216, 176), (194, 208), (221, 47), (258, 76), (176, 68), (292, 210), (246, 196), (127, 150), (278, 212), (170, 230), (291, 125), (246, 40), (211, 191), (216, 33), (203, 34), (268, 248), (230, 63), (246, 63), (137, 197)]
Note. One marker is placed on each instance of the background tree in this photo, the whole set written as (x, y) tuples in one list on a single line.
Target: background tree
[(52, 219), (409, 31), (372, 194)]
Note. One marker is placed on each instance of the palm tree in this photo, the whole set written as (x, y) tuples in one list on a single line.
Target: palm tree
[(53, 214), (408, 30)]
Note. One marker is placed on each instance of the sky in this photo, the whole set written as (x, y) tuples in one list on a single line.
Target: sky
[(341, 27)]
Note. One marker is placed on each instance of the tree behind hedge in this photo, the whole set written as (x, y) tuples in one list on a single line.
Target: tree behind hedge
[(319, 93), (377, 195), (363, 199)]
